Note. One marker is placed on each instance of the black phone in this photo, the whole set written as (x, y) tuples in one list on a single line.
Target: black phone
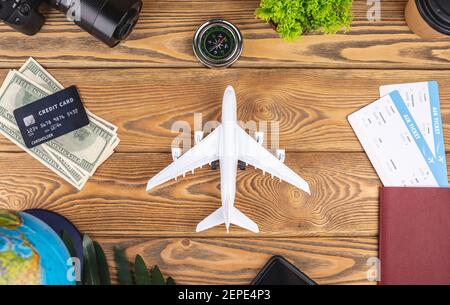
[(278, 271)]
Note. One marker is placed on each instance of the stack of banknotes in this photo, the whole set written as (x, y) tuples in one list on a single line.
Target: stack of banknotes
[(75, 156)]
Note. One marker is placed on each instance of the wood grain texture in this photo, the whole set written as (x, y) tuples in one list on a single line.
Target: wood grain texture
[(153, 80), (310, 105), (164, 34), (238, 261), (344, 200)]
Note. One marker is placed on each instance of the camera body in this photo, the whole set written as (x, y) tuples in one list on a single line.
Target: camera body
[(22, 16), (111, 21)]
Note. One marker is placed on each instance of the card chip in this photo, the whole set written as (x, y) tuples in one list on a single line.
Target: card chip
[(29, 120)]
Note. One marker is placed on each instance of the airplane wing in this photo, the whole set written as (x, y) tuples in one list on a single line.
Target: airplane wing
[(253, 153), (203, 153)]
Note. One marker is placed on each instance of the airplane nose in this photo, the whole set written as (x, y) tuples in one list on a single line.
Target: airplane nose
[(230, 90)]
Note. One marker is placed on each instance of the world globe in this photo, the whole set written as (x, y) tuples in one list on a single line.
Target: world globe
[(31, 252)]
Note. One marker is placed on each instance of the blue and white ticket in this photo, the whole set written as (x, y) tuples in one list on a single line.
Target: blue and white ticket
[(394, 143), (422, 100)]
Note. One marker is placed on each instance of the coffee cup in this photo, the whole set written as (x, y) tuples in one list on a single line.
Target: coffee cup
[(429, 18)]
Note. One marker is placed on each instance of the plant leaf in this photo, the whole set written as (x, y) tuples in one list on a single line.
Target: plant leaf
[(103, 269), (141, 273), (69, 245), (296, 17), (123, 267), (90, 260), (86, 280), (157, 277), (170, 281)]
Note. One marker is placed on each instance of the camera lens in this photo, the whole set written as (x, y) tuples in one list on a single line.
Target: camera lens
[(126, 25), (115, 21), (111, 21)]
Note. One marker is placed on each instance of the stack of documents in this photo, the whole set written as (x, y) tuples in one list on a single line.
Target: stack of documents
[(74, 156), (403, 137)]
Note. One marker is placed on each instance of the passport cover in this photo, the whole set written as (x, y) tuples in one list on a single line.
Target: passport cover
[(414, 236)]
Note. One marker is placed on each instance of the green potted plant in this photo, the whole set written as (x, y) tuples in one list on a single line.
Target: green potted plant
[(292, 18)]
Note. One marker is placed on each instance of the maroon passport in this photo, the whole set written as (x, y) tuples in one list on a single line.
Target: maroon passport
[(414, 235)]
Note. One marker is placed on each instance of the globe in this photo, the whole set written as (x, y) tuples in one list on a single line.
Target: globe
[(31, 252)]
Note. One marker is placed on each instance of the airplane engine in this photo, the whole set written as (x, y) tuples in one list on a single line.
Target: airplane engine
[(198, 137), (242, 165), (259, 137), (281, 154), (176, 153)]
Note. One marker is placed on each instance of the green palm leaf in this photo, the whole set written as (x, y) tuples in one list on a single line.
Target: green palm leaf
[(170, 281), (86, 280), (123, 267), (157, 277), (141, 272), (90, 261), (103, 269), (69, 245)]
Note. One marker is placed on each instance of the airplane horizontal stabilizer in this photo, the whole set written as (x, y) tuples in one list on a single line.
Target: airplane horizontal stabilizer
[(236, 218), (215, 219)]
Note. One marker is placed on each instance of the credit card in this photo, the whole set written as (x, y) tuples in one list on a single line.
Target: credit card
[(51, 117)]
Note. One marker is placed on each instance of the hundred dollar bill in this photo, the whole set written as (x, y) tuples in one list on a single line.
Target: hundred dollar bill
[(42, 156), (84, 147), (113, 146), (72, 170), (34, 71), (9, 130)]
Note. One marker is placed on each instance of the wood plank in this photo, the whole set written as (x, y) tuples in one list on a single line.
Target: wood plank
[(344, 200), (311, 105), (163, 39), (238, 261)]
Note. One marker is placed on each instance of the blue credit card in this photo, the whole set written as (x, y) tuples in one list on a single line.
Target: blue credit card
[(51, 117)]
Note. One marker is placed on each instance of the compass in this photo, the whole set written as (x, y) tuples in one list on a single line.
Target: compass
[(218, 43)]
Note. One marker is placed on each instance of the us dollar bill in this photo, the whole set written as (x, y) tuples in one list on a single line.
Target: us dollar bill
[(34, 71), (84, 147), (42, 156), (68, 167)]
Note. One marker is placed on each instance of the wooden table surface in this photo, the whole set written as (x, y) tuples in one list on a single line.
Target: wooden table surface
[(152, 80)]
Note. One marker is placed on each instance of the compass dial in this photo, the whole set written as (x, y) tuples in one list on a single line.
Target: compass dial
[(218, 43)]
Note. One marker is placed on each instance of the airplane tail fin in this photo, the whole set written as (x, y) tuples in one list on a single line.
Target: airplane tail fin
[(236, 218)]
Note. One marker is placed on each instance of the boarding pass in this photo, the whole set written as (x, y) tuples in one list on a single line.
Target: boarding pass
[(395, 144), (422, 100)]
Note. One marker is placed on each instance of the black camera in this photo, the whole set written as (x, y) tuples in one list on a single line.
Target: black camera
[(111, 21)]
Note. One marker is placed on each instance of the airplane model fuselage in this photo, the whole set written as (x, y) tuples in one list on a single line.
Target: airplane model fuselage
[(228, 157), (229, 144)]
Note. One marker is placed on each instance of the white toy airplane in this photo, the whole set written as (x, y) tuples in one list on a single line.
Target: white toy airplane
[(228, 143)]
